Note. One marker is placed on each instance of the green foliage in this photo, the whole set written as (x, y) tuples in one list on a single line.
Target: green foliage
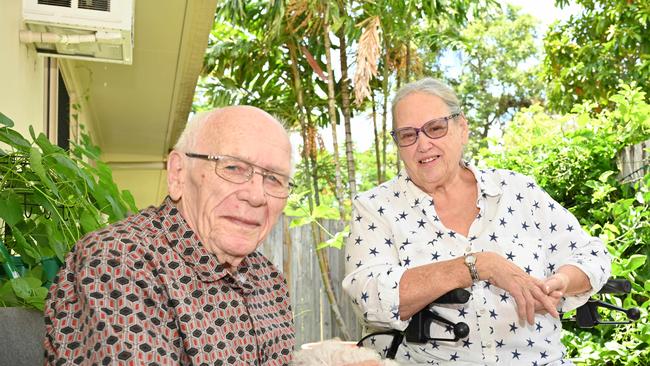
[(497, 53), (367, 167), (591, 53), (573, 157), (49, 198)]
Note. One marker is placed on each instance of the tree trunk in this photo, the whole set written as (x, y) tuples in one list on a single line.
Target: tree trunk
[(347, 113), (398, 163), (331, 105), (316, 231), (313, 155), (297, 89), (377, 147), (407, 75), (384, 88)]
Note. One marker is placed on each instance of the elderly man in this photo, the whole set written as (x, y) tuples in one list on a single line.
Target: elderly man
[(181, 284)]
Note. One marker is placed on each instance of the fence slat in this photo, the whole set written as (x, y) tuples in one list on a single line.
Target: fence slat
[(295, 256)]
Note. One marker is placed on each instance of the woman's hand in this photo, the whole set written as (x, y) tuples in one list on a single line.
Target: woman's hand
[(554, 296), (558, 282), (528, 292)]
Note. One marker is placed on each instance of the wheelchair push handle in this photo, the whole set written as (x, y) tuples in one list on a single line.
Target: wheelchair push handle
[(616, 286)]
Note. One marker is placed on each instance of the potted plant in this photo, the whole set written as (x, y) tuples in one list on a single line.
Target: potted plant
[(49, 198)]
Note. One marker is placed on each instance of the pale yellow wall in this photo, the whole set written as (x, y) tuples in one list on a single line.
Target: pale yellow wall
[(148, 186), (21, 73)]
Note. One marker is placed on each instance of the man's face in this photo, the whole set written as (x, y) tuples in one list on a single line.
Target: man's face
[(232, 219)]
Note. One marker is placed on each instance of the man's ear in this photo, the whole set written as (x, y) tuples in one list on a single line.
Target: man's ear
[(175, 174)]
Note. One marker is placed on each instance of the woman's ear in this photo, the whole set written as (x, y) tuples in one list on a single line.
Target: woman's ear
[(175, 174), (464, 128)]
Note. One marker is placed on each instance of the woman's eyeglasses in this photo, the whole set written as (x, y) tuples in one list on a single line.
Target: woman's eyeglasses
[(434, 129)]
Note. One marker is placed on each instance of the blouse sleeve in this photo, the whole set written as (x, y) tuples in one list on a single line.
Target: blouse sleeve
[(373, 268), (568, 244)]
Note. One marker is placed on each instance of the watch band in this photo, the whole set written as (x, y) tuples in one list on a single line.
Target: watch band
[(470, 261)]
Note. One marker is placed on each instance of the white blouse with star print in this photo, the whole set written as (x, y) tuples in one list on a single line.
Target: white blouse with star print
[(394, 227)]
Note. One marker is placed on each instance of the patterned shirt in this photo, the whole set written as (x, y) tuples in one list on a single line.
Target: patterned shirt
[(146, 291), (395, 227)]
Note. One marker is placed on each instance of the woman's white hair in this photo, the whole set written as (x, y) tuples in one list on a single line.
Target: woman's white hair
[(335, 353), (427, 86)]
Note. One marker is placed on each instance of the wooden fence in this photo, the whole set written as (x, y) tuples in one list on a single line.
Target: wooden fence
[(293, 251), (634, 162)]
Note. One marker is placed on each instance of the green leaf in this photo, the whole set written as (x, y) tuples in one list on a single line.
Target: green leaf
[(636, 261), (298, 211), (8, 296), (14, 139), (26, 250), (6, 121), (11, 210), (325, 212), (336, 241), (605, 175), (36, 163), (89, 221), (57, 242), (300, 221), (612, 228), (21, 287), (129, 200)]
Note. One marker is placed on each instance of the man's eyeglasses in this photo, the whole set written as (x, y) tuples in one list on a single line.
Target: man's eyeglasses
[(434, 129), (239, 171)]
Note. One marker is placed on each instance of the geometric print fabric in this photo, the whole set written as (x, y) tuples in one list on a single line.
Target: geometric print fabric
[(146, 291)]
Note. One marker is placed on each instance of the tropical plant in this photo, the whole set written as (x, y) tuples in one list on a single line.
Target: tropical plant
[(49, 198)]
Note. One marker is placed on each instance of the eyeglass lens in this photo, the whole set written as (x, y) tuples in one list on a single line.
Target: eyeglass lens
[(239, 171), (434, 129)]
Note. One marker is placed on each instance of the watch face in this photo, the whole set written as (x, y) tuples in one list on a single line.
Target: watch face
[(470, 259)]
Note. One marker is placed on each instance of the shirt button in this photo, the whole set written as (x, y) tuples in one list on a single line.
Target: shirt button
[(489, 344), (482, 311), (468, 250)]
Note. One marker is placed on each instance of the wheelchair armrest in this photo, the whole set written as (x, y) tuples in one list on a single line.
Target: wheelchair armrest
[(418, 329), (587, 315), (616, 286)]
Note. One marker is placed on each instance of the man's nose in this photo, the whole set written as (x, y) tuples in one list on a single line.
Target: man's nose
[(255, 193)]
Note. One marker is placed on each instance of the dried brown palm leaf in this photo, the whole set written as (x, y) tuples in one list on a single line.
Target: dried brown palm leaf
[(367, 57), (305, 16), (313, 63)]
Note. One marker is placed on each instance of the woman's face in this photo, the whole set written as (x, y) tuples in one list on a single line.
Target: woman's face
[(430, 163)]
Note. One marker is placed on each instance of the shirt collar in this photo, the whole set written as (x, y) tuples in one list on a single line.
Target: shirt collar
[(184, 241), (485, 181)]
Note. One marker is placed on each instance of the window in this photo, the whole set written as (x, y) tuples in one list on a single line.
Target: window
[(57, 106)]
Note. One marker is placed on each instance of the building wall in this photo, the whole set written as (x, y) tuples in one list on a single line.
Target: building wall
[(21, 73), (148, 186)]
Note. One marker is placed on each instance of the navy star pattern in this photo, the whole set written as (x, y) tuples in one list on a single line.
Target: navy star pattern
[(395, 227)]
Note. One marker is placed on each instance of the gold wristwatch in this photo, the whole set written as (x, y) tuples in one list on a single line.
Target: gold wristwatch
[(470, 262)]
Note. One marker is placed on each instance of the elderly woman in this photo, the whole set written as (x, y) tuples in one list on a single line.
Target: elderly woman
[(443, 224)]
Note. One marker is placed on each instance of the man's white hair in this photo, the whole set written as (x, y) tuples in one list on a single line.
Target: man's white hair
[(335, 353), (187, 140)]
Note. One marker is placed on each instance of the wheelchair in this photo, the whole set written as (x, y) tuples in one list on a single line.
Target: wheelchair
[(418, 330)]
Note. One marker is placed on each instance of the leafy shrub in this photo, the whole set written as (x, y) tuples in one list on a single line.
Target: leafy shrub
[(49, 198)]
